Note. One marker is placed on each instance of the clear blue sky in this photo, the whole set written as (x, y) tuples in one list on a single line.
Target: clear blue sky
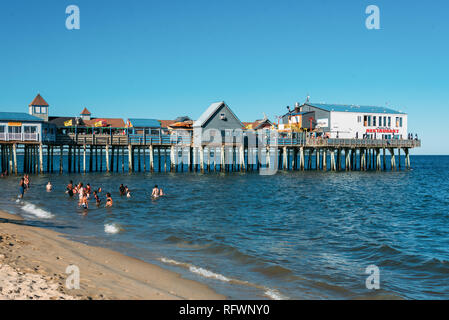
[(163, 59)]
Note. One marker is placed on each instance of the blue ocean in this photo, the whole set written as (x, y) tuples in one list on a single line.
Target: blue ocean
[(293, 235)]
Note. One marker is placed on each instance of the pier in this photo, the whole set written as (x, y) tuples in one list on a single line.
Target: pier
[(82, 153)]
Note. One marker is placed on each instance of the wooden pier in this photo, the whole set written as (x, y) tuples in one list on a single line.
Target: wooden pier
[(84, 153)]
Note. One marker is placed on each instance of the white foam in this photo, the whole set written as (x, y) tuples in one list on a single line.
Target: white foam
[(275, 295), (112, 228), (38, 212), (194, 269), (208, 274), (170, 261)]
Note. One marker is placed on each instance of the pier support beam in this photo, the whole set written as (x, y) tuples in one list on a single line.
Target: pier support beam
[(392, 160), (130, 158), (222, 159), (14, 152), (324, 160), (107, 158), (61, 159), (84, 158), (151, 158), (284, 158), (202, 159), (301, 158), (172, 158), (242, 158), (41, 159)]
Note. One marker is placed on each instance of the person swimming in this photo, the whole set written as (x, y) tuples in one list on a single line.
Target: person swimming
[(27, 182), (49, 187), (70, 188), (122, 190), (128, 192), (84, 202), (157, 192), (97, 198), (108, 200)]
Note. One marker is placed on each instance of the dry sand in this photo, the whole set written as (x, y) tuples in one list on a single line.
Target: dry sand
[(33, 264)]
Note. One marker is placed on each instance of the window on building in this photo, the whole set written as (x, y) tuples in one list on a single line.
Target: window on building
[(14, 129), (365, 121), (369, 121), (44, 110), (374, 121), (359, 119), (389, 121), (385, 121), (29, 129), (37, 109), (2, 129), (397, 122), (400, 122), (380, 121)]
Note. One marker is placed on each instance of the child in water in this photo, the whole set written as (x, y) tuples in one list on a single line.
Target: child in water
[(97, 199), (108, 200), (84, 202), (128, 193), (157, 192)]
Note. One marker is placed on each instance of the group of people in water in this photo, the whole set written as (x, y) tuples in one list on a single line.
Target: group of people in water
[(85, 192)]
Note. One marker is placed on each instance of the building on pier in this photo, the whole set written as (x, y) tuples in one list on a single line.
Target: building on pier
[(39, 108), (347, 121), (143, 126), (219, 120), (261, 124), (85, 123), (22, 127)]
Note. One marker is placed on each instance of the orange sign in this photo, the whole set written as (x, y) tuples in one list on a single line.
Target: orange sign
[(15, 124)]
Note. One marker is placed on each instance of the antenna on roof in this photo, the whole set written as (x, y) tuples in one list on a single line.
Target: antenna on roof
[(308, 98), (264, 116)]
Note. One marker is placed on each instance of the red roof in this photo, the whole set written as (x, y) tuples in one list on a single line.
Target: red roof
[(166, 123), (85, 112), (39, 101)]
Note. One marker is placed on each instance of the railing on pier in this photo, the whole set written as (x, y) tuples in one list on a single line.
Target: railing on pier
[(133, 139), (7, 136), (346, 143)]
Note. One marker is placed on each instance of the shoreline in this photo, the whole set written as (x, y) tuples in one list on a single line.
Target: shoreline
[(33, 263)]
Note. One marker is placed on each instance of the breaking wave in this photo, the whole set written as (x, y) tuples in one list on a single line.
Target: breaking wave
[(36, 211)]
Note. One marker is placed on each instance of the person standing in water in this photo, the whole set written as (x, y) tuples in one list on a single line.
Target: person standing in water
[(122, 190), (49, 186), (22, 187), (27, 182), (84, 202), (97, 199), (70, 188), (157, 192), (108, 200)]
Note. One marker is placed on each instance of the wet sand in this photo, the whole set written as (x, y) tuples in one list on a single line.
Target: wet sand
[(33, 263)]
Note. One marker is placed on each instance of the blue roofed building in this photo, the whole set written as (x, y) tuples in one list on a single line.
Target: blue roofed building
[(144, 126), (23, 127), (349, 121)]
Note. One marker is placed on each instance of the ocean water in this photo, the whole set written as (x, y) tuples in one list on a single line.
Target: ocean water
[(294, 235)]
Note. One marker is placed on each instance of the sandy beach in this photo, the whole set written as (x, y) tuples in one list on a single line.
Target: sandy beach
[(34, 261)]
